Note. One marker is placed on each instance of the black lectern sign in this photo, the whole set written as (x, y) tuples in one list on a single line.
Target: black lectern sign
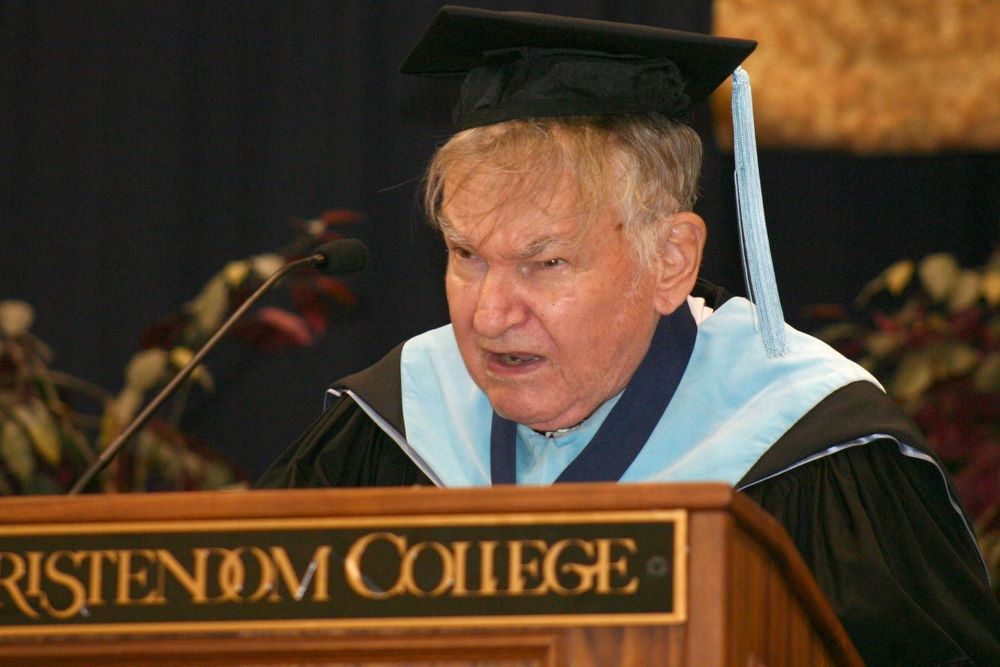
[(504, 569)]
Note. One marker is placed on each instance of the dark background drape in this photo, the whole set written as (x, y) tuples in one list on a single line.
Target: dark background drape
[(144, 144)]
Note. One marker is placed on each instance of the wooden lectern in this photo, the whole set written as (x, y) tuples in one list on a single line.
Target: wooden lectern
[(570, 575)]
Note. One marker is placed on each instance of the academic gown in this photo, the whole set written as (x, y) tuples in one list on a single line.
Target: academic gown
[(879, 529)]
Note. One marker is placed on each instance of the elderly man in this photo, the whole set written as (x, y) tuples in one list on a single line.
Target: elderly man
[(583, 347)]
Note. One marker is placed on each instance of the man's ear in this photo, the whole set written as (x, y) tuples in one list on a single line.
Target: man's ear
[(679, 261)]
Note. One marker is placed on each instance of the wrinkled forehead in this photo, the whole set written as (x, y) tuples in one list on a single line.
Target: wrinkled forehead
[(540, 175), (481, 199)]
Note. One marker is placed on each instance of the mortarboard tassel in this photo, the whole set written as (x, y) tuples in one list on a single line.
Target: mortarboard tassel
[(757, 266)]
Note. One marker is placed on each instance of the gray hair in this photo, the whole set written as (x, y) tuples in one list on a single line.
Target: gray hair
[(645, 165)]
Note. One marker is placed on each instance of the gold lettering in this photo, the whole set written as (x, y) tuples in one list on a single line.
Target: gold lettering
[(195, 584), (127, 576), (267, 578), (232, 575), (318, 571), (34, 588), (352, 566), (516, 567), (460, 552), (567, 567), (77, 591), (9, 582), (95, 583), (487, 577), (447, 569), (552, 567), (605, 566)]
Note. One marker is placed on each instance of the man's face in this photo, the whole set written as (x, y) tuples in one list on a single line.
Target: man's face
[(549, 314)]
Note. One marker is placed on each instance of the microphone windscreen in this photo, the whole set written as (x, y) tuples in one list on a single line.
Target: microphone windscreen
[(342, 256)]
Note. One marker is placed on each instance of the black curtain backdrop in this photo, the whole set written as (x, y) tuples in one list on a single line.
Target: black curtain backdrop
[(144, 144)]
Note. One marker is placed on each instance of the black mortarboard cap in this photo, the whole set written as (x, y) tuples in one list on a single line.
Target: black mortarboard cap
[(524, 65)]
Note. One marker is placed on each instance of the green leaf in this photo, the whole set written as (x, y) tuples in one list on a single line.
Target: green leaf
[(76, 447), (216, 476), (898, 276), (959, 359), (209, 307), (203, 378), (870, 289), (167, 461), (144, 453), (991, 287), (938, 273), (128, 403), (15, 448), (964, 291), (913, 376), (267, 264), (146, 369), (118, 413), (44, 433), (193, 465), (882, 343), (235, 272)]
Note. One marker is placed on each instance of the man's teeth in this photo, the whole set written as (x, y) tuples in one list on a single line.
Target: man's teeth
[(517, 359)]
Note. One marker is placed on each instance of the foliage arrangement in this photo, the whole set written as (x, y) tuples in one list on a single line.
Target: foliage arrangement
[(47, 435), (930, 330)]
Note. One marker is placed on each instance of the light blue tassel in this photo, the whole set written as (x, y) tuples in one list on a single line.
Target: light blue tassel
[(757, 266)]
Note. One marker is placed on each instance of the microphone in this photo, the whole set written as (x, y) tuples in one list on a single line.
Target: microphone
[(341, 256), (337, 257)]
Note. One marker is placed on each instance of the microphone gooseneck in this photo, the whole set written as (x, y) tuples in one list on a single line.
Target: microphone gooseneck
[(338, 257)]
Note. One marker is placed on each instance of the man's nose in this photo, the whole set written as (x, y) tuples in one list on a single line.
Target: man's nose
[(499, 305)]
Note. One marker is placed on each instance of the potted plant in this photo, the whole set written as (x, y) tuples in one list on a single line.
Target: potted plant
[(930, 331), (53, 425)]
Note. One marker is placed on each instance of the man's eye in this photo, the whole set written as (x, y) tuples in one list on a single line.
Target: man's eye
[(462, 253), (555, 261)]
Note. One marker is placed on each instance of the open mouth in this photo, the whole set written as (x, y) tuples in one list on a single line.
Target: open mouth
[(514, 359)]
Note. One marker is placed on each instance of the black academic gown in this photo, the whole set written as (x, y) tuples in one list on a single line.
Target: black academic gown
[(877, 528)]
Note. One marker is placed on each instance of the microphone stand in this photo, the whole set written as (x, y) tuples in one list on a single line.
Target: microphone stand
[(112, 449)]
